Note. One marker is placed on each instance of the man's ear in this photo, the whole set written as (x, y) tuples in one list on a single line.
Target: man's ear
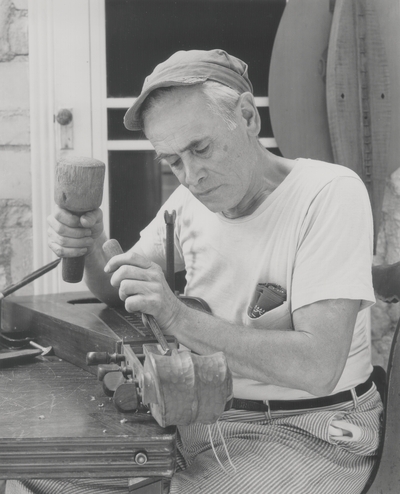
[(249, 113)]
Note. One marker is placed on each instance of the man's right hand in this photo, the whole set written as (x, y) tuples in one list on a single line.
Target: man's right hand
[(72, 236)]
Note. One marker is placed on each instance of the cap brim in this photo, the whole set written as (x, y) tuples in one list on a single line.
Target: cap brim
[(132, 120)]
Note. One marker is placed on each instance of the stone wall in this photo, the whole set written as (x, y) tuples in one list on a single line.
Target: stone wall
[(15, 182), (385, 316)]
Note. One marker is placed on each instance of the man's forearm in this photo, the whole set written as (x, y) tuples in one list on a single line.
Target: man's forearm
[(295, 359)]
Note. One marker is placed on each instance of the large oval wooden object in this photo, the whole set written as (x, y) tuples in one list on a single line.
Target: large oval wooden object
[(297, 91)]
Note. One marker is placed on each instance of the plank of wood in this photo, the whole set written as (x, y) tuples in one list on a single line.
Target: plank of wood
[(388, 15), (358, 97)]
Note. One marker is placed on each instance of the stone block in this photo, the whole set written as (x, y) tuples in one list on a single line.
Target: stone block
[(15, 174), (18, 33), (14, 83), (380, 320), (5, 13), (377, 358), (3, 276), (14, 214), (381, 351), (395, 182), (5, 247), (21, 257), (394, 313), (20, 4), (14, 128)]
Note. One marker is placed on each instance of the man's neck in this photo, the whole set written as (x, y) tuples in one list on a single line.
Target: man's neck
[(272, 172)]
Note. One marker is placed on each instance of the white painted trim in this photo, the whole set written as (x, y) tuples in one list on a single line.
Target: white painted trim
[(143, 145), (97, 20), (41, 92), (268, 142), (125, 103), (262, 101), (130, 145)]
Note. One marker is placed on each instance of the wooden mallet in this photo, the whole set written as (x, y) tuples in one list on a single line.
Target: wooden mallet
[(78, 188)]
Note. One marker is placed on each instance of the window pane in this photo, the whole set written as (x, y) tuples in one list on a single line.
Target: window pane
[(142, 33), (116, 128), (135, 193), (266, 127)]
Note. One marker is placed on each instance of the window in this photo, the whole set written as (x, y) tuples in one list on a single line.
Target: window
[(139, 35)]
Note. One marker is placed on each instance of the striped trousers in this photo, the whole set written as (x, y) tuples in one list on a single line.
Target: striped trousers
[(251, 453)]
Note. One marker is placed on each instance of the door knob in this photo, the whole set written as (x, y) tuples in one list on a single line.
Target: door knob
[(64, 116), (65, 131)]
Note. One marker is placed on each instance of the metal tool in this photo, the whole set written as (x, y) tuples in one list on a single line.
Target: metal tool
[(17, 356), (170, 257), (28, 279), (45, 350)]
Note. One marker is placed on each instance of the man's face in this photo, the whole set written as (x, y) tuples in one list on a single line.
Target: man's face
[(206, 157)]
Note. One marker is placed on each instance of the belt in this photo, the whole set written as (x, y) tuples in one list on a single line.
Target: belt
[(288, 405)]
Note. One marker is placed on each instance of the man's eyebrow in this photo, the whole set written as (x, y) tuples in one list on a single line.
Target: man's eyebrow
[(191, 145)]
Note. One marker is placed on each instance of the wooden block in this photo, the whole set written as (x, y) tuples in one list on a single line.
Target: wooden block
[(358, 96)]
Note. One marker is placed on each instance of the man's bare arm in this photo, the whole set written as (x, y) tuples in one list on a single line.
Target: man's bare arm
[(310, 358)]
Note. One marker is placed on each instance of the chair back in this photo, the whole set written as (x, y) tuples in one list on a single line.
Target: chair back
[(385, 478)]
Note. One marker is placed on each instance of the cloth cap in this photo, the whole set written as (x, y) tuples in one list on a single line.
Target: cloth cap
[(185, 68)]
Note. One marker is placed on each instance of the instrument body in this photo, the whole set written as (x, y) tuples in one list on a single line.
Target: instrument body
[(75, 323), (179, 388)]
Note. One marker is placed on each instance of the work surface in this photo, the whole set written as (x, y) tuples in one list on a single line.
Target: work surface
[(57, 422)]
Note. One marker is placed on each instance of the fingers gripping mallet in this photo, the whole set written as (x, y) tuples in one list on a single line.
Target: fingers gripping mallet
[(78, 188)]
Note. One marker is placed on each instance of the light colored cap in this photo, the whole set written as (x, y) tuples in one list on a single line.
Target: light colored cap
[(185, 68)]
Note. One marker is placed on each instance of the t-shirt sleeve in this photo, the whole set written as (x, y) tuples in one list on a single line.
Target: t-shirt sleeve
[(334, 255)]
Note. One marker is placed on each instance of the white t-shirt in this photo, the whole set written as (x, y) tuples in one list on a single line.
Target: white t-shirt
[(312, 235)]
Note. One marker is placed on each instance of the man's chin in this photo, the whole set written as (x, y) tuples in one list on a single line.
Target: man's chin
[(211, 205)]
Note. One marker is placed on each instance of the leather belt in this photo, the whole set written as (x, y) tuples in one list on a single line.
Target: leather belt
[(289, 405)]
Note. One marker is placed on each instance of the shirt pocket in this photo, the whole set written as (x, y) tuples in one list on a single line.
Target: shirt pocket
[(278, 318)]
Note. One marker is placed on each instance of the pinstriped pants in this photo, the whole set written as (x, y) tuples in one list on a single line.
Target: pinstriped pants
[(282, 454)]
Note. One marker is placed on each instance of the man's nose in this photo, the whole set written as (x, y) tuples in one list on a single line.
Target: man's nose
[(194, 172)]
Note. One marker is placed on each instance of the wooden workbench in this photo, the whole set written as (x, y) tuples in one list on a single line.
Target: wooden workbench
[(56, 422)]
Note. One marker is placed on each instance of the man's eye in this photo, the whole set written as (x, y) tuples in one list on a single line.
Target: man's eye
[(175, 163), (203, 150)]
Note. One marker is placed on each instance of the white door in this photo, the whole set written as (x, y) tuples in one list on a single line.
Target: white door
[(67, 72)]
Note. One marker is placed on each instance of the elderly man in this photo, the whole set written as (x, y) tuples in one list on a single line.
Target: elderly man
[(281, 250)]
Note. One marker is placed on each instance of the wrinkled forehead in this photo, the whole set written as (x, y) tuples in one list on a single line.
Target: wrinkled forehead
[(167, 107)]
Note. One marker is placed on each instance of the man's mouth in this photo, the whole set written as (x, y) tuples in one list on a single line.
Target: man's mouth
[(205, 193)]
